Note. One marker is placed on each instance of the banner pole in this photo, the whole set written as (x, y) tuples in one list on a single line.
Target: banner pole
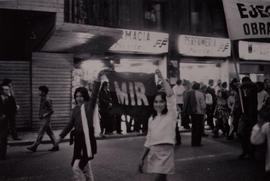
[(237, 74)]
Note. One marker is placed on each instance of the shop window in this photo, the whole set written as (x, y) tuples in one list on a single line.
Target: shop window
[(154, 16), (200, 72), (207, 17), (95, 12), (75, 11)]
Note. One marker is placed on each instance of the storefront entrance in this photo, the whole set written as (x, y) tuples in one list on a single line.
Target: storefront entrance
[(203, 71)]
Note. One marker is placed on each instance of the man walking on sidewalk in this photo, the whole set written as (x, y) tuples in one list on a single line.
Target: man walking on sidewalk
[(4, 91), (13, 107), (45, 112)]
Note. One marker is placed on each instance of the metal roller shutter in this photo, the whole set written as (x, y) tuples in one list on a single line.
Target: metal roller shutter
[(55, 71), (19, 73)]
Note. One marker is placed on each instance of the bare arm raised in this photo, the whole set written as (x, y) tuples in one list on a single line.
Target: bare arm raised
[(165, 84)]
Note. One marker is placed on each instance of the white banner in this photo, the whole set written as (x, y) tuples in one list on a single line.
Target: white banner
[(254, 50), (141, 42), (200, 46), (247, 18)]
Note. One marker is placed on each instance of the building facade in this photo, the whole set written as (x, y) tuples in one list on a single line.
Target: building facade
[(25, 27), (63, 44)]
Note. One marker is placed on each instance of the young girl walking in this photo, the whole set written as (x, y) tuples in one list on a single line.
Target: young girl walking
[(158, 156)]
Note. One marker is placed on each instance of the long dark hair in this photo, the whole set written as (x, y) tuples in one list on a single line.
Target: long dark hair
[(103, 85), (84, 93), (163, 97)]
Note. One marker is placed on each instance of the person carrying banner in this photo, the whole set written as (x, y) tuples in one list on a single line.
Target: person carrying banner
[(235, 108), (85, 146), (248, 118), (158, 155)]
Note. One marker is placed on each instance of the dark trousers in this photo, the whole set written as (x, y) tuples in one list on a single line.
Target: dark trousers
[(3, 144), (46, 127), (197, 129), (244, 133), (177, 135), (12, 126), (221, 125), (103, 122), (106, 122), (209, 113), (184, 118), (117, 123), (236, 118)]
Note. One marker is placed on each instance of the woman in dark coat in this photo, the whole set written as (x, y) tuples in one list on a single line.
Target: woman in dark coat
[(81, 155), (105, 105)]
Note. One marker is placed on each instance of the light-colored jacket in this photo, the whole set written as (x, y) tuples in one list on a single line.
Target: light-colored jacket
[(161, 129), (200, 99)]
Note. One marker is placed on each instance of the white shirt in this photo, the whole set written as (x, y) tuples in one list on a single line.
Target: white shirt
[(178, 92), (161, 129), (208, 99), (258, 136)]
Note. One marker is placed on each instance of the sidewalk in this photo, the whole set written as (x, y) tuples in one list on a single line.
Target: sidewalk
[(29, 137)]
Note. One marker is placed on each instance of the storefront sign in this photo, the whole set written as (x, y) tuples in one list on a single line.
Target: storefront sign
[(203, 46), (247, 18), (254, 50), (141, 42)]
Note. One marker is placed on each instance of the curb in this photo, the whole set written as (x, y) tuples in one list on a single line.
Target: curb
[(104, 137), (30, 142)]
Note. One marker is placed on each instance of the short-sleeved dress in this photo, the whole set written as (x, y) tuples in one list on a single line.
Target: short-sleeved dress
[(160, 140)]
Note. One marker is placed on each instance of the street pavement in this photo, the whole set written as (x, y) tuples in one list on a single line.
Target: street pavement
[(117, 160)]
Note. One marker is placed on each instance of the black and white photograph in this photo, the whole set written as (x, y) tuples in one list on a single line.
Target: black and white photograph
[(134, 90)]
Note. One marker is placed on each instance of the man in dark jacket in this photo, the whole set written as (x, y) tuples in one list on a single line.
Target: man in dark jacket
[(12, 110), (248, 118), (45, 112), (4, 101)]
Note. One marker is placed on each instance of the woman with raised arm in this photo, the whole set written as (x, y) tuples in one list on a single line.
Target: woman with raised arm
[(158, 156), (81, 122)]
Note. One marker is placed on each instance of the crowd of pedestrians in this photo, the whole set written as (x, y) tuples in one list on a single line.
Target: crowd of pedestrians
[(228, 111), (240, 110)]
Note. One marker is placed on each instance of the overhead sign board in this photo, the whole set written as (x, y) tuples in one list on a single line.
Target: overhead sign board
[(247, 18), (201, 46), (141, 42), (254, 50)]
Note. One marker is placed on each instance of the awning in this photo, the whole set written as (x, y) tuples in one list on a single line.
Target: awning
[(86, 40), (81, 39)]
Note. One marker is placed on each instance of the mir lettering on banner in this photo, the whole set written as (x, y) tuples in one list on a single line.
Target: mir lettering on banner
[(132, 93), (126, 96)]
